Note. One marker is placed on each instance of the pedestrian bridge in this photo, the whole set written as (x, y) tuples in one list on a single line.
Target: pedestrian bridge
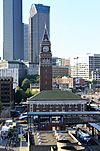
[(42, 119)]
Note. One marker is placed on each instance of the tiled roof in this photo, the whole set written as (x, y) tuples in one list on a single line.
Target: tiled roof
[(55, 95)]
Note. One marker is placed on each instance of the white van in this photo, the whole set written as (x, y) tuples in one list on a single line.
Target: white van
[(9, 123), (4, 131)]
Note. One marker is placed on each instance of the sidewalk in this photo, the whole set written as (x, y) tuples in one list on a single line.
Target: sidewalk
[(20, 149)]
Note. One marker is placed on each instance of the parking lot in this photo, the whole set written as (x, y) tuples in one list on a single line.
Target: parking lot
[(18, 138)]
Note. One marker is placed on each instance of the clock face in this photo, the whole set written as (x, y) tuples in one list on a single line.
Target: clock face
[(45, 49)]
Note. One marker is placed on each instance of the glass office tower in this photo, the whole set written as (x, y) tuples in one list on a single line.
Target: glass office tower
[(39, 17), (12, 30)]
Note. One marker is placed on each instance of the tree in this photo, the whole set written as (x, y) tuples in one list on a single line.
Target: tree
[(36, 78), (25, 84), (34, 92), (19, 95), (33, 78), (29, 92)]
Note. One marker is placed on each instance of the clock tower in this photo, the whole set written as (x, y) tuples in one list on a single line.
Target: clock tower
[(45, 63)]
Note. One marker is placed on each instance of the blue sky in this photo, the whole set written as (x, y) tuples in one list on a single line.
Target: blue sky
[(74, 26)]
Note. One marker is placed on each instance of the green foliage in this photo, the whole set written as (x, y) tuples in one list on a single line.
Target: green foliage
[(33, 78), (25, 84), (25, 92), (29, 79), (20, 95), (34, 92), (96, 81), (29, 92)]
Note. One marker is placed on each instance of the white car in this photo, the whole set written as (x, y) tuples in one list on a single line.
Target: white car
[(9, 122), (4, 131), (23, 117), (23, 114)]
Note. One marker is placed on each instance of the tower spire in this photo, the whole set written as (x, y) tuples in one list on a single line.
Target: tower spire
[(45, 35)]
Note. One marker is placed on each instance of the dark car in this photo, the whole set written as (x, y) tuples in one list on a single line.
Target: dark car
[(14, 113)]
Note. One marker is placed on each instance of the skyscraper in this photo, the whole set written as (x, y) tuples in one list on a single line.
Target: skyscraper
[(39, 16), (12, 30), (26, 42), (94, 65)]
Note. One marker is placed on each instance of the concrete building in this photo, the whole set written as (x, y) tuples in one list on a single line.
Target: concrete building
[(95, 74), (12, 30), (60, 71), (17, 69), (67, 83), (13, 72), (94, 66), (80, 67), (32, 68), (63, 83), (81, 70), (60, 61), (39, 15), (26, 42), (6, 91)]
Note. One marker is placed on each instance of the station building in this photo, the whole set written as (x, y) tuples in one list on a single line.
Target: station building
[(56, 101)]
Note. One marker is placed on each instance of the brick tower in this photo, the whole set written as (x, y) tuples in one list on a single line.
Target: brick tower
[(45, 63)]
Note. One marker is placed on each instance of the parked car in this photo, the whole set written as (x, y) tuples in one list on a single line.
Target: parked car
[(14, 113), (4, 132)]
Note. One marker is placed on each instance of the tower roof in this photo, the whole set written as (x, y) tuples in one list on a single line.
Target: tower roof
[(33, 10), (45, 35)]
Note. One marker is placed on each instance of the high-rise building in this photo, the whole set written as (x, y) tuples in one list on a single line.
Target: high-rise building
[(94, 65), (6, 91), (39, 16), (79, 68), (60, 61), (26, 42), (12, 30)]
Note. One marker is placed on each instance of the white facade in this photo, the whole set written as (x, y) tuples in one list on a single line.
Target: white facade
[(80, 68)]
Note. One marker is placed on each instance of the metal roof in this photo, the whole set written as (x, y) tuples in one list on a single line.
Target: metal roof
[(63, 113)]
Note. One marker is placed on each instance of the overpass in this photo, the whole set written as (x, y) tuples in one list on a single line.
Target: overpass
[(42, 120)]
